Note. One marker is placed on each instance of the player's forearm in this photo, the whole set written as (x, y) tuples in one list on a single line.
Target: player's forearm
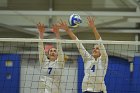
[(58, 36), (102, 48), (85, 55), (71, 34), (60, 53), (59, 47), (41, 49), (97, 35)]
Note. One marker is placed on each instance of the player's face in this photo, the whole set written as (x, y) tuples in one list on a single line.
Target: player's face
[(52, 54), (96, 52)]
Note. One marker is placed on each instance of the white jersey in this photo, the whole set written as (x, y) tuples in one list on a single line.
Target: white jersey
[(51, 72), (95, 70)]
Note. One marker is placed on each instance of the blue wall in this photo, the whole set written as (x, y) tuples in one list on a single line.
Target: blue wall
[(136, 76), (118, 78), (80, 74), (9, 74)]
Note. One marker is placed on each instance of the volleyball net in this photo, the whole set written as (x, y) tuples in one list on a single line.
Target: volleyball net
[(20, 67)]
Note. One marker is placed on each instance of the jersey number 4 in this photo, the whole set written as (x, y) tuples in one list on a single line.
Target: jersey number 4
[(49, 70), (93, 68)]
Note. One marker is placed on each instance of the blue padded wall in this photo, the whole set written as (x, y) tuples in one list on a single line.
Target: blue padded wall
[(9, 73), (118, 75), (80, 74), (136, 76)]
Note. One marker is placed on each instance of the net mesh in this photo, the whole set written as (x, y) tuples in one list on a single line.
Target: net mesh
[(20, 67)]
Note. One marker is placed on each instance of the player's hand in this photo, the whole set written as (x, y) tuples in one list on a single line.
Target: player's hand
[(91, 21), (63, 25), (55, 29), (41, 29)]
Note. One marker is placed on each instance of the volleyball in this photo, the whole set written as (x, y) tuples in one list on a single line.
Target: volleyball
[(75, 20)]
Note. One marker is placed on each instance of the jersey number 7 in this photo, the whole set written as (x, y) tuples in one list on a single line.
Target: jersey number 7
[(49, 70)]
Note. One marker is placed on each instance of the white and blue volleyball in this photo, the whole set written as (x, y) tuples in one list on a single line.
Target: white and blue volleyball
[(75, 20)]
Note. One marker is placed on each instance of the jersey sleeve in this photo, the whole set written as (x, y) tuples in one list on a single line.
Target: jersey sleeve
[(85, 54), (60, 53), (42, 56), (104, 56)]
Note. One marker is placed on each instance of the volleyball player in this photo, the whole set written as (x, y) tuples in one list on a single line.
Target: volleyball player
[(95, 65), (52, 63)]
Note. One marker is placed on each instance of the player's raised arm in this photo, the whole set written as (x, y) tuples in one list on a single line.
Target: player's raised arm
[(55, 29), (41, 30), (93, 27), (97, 35), (64, 26), (85, 55)]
